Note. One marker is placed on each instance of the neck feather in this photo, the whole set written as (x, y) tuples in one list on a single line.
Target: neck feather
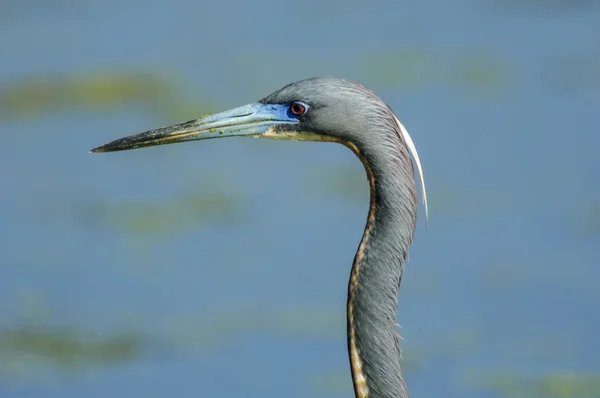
[(373, 344)]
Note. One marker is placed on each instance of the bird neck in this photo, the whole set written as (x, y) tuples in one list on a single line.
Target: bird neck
[(375, 277)]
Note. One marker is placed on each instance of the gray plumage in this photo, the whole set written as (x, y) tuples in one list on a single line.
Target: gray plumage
[(351, 113), (337, 110)]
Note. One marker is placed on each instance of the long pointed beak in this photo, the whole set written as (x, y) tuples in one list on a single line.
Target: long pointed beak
[(248, 120)]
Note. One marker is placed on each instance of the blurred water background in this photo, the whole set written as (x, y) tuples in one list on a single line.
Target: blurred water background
[(220, 268)]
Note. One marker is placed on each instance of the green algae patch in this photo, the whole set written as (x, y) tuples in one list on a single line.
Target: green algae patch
[(589, 223), (98, 92), (91, 92), (346, 182), (560, 384), (187, 211), (28, 352), (477, 72)]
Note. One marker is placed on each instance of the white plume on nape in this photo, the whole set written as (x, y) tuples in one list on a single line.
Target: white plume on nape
[(413, 151)]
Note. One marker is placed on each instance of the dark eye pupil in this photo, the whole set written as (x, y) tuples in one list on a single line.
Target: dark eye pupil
[(297, 109)]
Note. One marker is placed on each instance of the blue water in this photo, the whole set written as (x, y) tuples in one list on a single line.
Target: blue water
[(226, 262)]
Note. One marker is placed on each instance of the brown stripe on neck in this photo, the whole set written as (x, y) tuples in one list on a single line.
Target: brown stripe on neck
[(359, 378)]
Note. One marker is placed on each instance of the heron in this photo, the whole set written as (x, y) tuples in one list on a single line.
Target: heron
[(330, 109)]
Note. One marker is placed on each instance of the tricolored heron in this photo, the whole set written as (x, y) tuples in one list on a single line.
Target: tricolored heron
[(336, 110)]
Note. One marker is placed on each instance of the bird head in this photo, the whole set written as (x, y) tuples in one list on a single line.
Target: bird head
[(317, 109)]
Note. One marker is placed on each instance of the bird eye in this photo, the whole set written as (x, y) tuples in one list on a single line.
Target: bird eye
[(298, 108)]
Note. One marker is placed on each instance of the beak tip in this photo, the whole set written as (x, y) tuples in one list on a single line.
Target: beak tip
[(110, 147), (97, 150)]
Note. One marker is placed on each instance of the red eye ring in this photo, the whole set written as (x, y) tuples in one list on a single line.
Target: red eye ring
[(297, 108)]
